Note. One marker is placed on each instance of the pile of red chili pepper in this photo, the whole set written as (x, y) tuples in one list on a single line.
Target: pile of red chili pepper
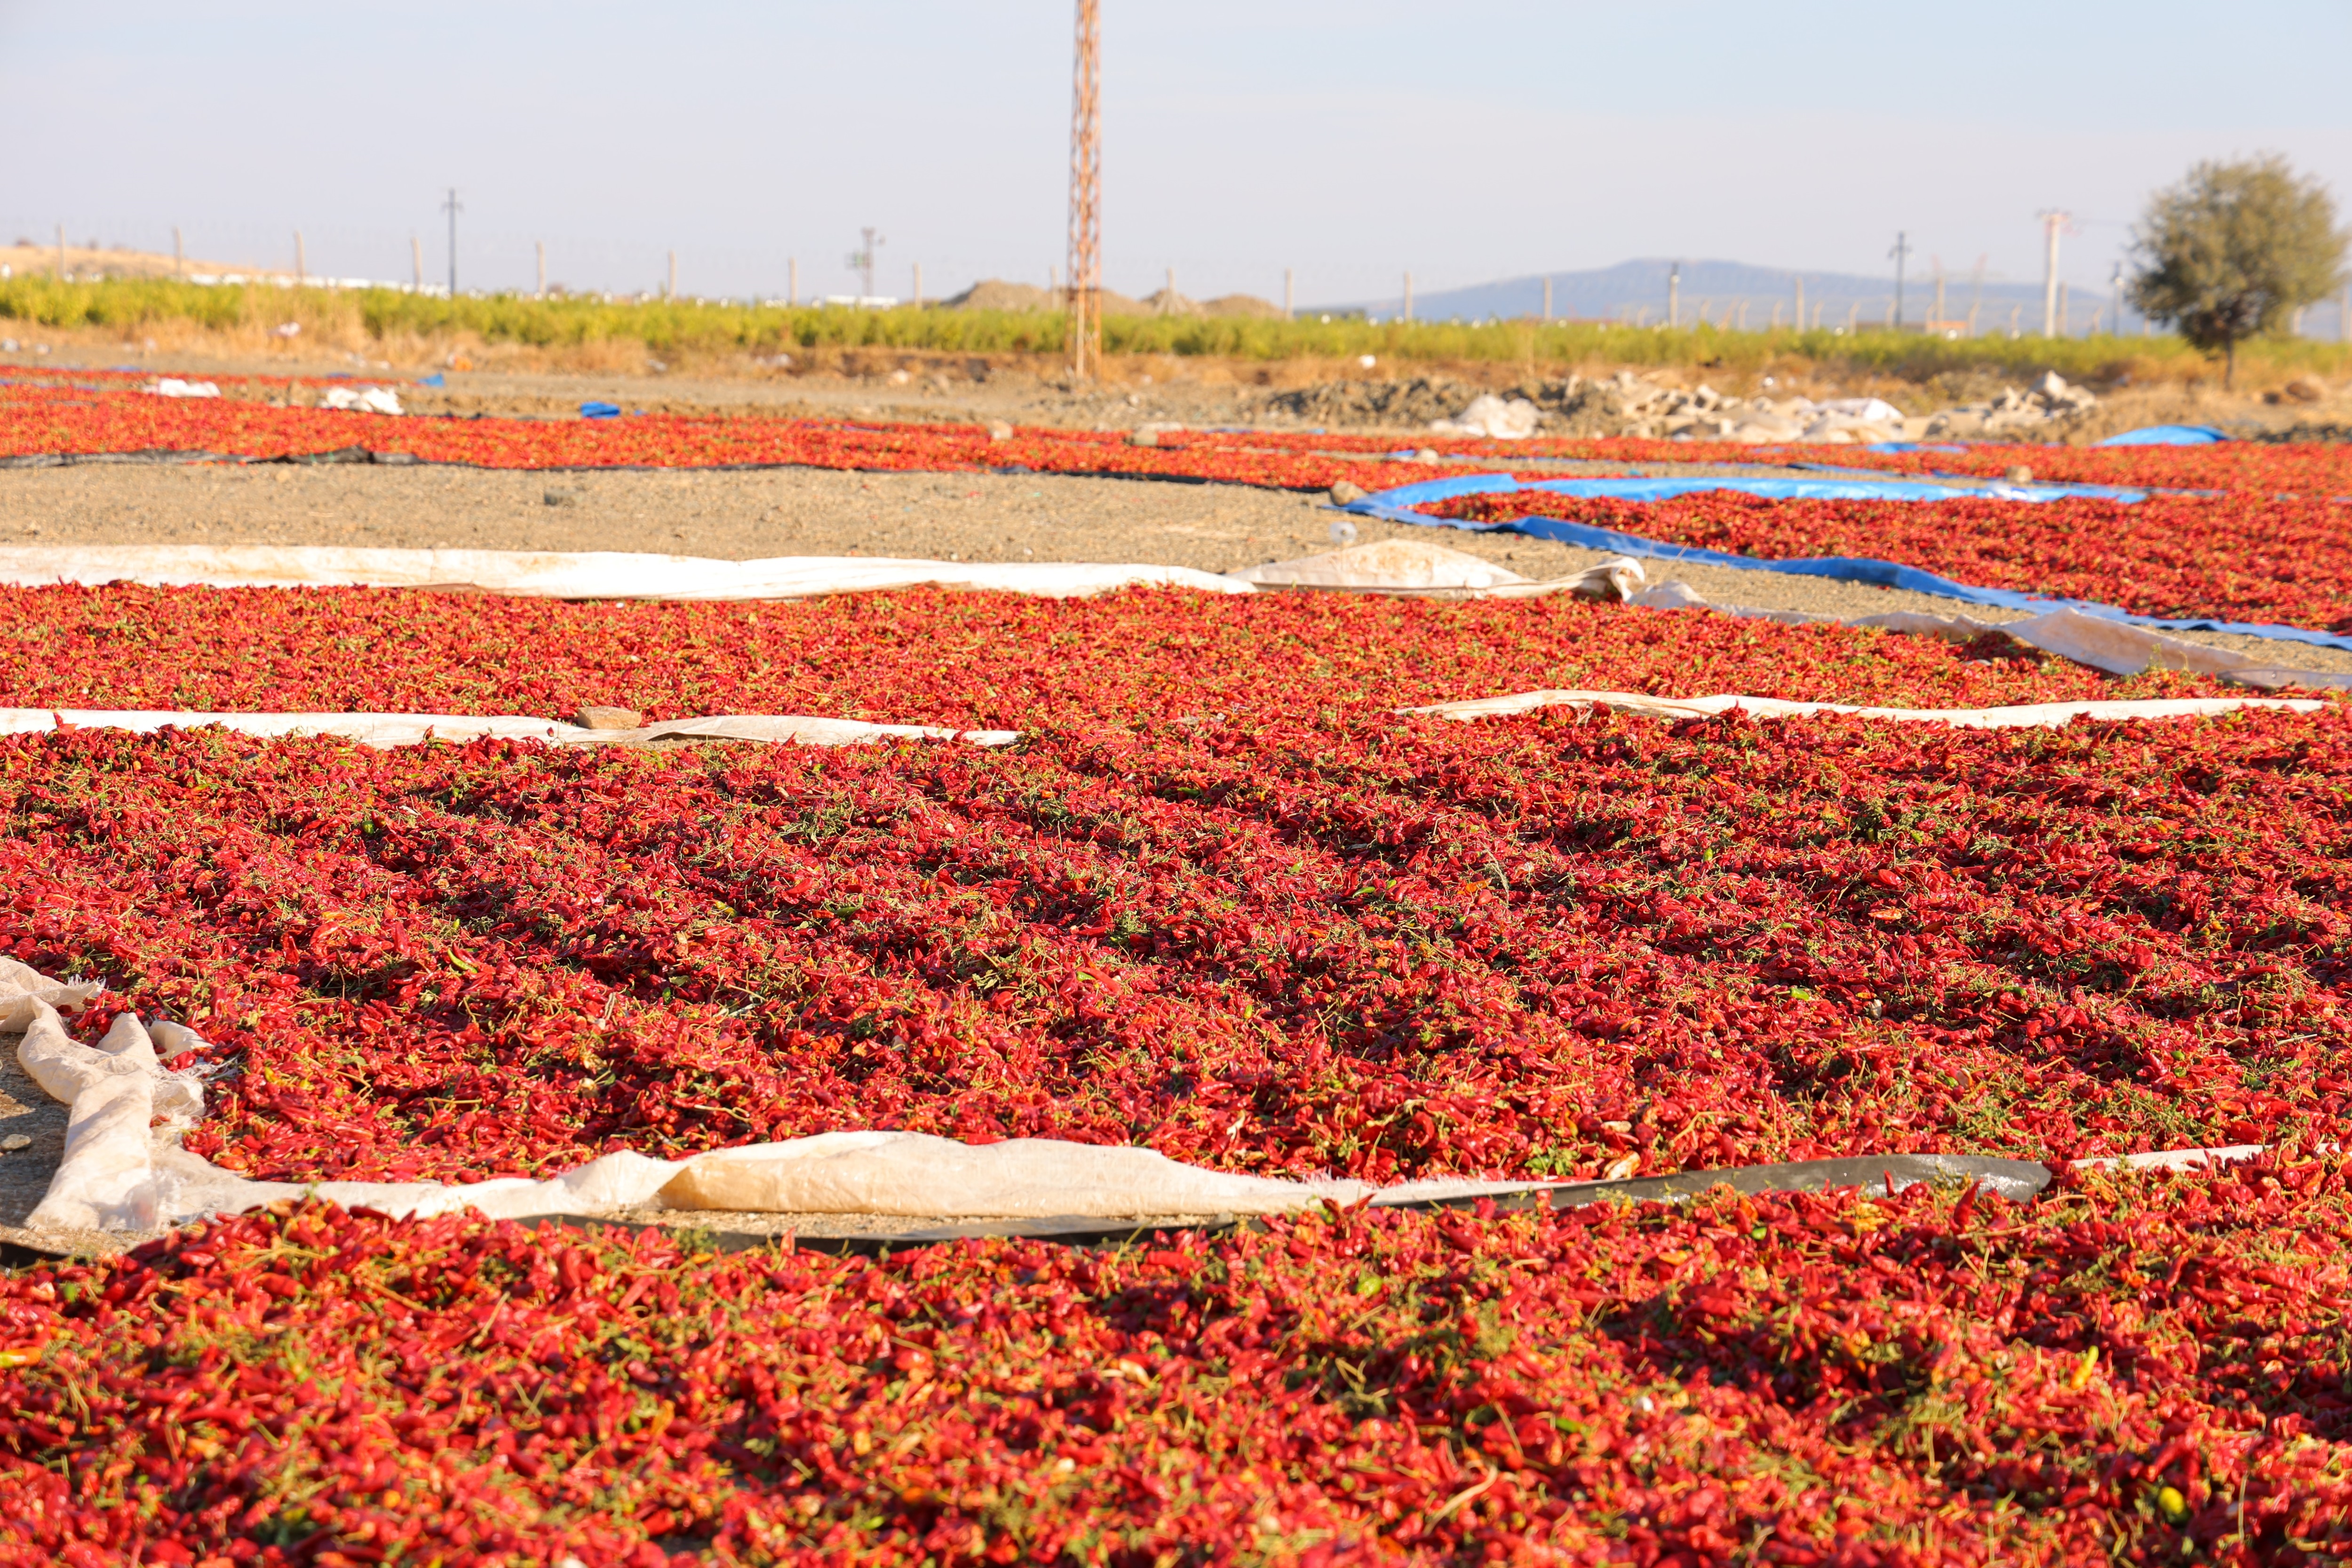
[(942, 658), (1379, 946), (2234, 558), (2148, 1372), (85, 412), (1221, 900)]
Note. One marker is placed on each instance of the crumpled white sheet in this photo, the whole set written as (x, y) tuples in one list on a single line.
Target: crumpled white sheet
[(173, 386), (1420, 569), (2037, 715), (589, 574), (114, 1090), (388, 730), (363, 399)]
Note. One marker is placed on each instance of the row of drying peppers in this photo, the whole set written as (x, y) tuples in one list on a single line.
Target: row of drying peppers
[(1389, 948), (2145, 1373), (86, 411), (977, 659), (2233, 558)]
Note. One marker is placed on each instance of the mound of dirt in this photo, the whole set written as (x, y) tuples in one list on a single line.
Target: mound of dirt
[(996, 294), (1248, 305), (1161, 303)]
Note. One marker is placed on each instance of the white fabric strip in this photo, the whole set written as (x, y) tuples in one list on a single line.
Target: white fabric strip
[(587, 575), (2039, 715), (387, 730)]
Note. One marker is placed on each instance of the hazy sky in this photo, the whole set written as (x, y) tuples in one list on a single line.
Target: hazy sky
[(1349, 141)]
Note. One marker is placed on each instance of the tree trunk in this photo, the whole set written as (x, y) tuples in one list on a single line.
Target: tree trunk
[(2228, 364)]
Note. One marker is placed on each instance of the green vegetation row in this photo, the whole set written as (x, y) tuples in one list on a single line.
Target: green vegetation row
[(686, 327)]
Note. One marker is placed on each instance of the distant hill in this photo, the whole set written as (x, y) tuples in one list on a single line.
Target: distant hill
[(1623, 292)]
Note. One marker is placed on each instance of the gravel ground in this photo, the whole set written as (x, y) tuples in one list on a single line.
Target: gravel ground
[(808, 512)]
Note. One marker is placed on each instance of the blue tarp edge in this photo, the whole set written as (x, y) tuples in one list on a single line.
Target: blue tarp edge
[(1838, 568)]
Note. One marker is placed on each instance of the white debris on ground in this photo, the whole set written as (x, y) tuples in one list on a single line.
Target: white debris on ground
[(2052, 399), (173, 386), (1628, 405), (1492, 418), (361, 399)]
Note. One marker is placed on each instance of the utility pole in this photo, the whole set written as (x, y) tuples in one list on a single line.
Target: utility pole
[(1901, 252), (453, 207), (301, 264), (2053, 222), (919, 285), (541, 246), (1408, 296), (1938, 262), (2115, 284), (179, 256), (1674, 294), (1086, 194), (671, 292), (862, 261), (62, 253), (1801, 303), (1547, 300), (416, 264), (1289, 292), (1167, 296)]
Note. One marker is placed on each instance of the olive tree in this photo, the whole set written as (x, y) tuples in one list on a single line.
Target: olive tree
[(2233, 251)]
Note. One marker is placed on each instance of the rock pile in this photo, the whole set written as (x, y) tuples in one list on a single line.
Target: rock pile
[(2052, 400), (1628, 405)]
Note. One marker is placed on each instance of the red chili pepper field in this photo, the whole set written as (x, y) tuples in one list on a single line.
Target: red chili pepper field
[(1224, 901)]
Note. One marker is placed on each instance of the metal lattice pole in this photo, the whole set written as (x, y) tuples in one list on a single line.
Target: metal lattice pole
[(1085, 197)]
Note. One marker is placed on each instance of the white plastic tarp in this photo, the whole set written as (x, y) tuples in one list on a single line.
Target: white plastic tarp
[(2037, 715), (385, 729), (588, 574), (1416, 567)]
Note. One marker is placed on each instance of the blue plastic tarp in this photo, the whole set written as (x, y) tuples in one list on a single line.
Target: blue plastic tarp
[(2166, 436), (600, 411), (1846, 487), (1838, 568)]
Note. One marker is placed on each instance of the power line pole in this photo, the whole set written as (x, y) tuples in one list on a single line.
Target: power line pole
[(2116, 283), (1801, 303), (1408, 296), (1085, 194), (453, 207), (2053, 222), (302, 262), (862, 261), (179, 256), (671, 294), (793, 281), (1901, 252), (1547, 298), (416, 264), (541, 246), (1675, 295), (1289, 292)]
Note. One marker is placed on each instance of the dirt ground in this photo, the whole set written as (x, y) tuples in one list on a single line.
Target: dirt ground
[(1202, 391), (805, 511)]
